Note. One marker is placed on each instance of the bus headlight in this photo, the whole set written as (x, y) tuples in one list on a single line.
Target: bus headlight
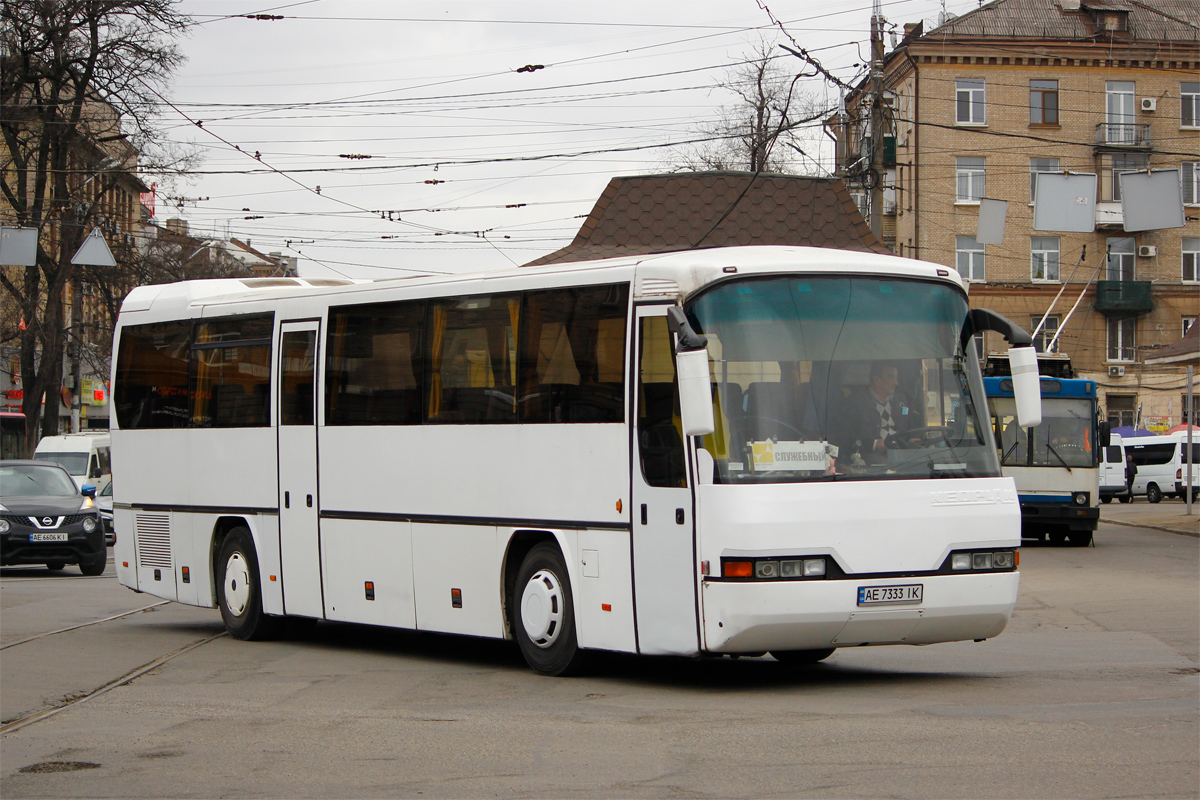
[(774, 569), (984, 560), (1080, 498)]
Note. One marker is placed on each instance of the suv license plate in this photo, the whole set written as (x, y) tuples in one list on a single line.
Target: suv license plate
[(890, 595), (47, 537)]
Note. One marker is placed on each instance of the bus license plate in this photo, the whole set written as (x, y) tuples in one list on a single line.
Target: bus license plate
[(47, 537), (890, 595)]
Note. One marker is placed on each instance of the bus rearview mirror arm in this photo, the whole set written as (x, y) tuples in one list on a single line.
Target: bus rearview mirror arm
[(1022, 361), (691, 367)]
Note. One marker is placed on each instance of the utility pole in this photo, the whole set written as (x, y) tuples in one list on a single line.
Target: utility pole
[(876, 169)]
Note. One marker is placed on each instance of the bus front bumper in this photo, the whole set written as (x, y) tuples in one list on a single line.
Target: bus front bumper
[(752, 617), (1037, 516)]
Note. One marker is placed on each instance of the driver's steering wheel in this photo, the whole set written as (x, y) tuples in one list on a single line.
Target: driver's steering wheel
[(927, 436)]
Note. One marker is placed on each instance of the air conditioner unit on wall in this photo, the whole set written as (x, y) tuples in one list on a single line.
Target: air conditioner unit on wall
[(1116, 372), (1147, 251), (1149, 103)]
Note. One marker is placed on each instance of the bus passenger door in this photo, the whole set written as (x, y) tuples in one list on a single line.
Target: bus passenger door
[(664, 570), (299, 535)]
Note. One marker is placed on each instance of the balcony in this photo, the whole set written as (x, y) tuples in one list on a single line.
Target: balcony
[(1123, 135), (1123, 298)]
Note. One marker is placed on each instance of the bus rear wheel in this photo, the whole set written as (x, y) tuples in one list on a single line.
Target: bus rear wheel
[(238, 593), (543, 613), (801, 657)]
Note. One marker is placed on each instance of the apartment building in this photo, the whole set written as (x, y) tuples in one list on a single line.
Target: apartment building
[(979, 106)]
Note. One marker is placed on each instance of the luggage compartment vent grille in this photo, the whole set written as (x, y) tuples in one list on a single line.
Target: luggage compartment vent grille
[(153, 536)]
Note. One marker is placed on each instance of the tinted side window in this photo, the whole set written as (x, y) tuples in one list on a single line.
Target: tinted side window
[(1152, 453), (471, 368), (373, 370), (152, 376), (231, 372), (572, 355)]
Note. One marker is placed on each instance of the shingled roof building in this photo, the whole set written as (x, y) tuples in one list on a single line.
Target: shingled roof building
[(985, 102), (644, 214)]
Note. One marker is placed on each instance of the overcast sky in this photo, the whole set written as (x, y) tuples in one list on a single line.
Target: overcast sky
[(473, 164)]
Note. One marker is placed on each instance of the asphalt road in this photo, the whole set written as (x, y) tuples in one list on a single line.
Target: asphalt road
[(1091, 692)]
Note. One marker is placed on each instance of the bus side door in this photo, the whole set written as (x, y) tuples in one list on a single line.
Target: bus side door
[(664, 568), (299, 534)]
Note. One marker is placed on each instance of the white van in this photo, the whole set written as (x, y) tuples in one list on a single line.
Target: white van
[(1112, 471), (1159, 459), (86, 456)]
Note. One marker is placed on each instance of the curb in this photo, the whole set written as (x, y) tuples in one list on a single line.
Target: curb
[(1175, 531)]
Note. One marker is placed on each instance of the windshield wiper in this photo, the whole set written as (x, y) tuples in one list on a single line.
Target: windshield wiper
[(1050, 447)]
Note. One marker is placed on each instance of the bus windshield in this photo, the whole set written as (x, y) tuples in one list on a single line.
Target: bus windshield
[(836, 378), (1064, 439)]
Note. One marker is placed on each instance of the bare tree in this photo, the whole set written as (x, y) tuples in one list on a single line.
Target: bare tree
[(78, 85), (764, 129)]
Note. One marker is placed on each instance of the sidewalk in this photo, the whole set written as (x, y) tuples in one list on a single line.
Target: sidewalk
[(1166, 516)]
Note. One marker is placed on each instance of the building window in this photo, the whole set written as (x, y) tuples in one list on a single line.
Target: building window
[(1122, 258), (1122, 409), (1189, 173), (1188, 322), (970, 258), (1112, 167), (1043, 258), (970, 96), (1036, 166), (1189, 105), (1043, 102), (1191, 264), (1042, 341), (1119, 114), (1121, 336), (969, 174)]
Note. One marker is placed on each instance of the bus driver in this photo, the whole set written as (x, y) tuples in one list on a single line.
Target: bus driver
[(873, 415)]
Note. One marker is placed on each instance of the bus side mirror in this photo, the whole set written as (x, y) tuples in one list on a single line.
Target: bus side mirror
[(691, 368), (1027, 390), (1105, 434), (1022, 361)]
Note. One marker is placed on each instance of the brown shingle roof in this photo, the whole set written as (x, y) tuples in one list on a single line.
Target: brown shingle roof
[(1150, 20), (644, 214)]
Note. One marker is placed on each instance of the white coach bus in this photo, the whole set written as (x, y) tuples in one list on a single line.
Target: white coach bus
[(542, 454)]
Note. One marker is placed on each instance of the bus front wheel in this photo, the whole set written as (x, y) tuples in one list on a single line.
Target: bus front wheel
[(1153, 493), (543, 613), (238, 592)]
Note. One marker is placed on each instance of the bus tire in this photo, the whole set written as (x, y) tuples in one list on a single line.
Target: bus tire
[(94, 567), (543, 613), (1106, 498), (1125, 498), (1057, 538), (1079, 538), (801, 657), (1153, 493), (239, 595)]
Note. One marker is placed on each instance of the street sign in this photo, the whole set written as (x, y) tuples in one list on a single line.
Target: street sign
[(94, 251)]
